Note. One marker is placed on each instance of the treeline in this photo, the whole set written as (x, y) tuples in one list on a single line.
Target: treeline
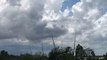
[(57, 53)]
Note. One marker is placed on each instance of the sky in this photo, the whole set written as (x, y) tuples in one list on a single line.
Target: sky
[(26, 25), (68, 4)]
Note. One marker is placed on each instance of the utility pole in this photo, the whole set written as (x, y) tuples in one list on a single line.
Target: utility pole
[(53, 41), (42, 58), (31, 51), (42, 48), (62, 43), (74, 45)]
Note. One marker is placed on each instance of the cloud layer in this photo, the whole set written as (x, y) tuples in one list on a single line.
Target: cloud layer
[(23, 19), (27, 21)]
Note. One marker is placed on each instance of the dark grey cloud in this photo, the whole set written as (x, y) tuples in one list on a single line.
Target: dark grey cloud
[(25, 21), (14, 2), (13, 46)]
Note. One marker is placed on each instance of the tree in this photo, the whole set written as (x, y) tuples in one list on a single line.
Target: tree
[(105, 56), (54, 53), (4, 55), (80, 53), (61, 54), (89, 52), (68, 54), (3, 52)]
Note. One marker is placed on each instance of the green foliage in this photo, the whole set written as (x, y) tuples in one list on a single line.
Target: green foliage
[(4, 54), (105, 56), (56, 54), (26, 57), (80, 51), (61, 54)]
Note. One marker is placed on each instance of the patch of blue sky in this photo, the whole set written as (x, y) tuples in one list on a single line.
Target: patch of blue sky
[(105, 10), (67, 4)]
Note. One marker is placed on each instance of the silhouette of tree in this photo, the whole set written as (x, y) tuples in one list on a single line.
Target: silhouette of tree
[(105, 56), (3, 52), (61, 54), (55, 54), (4, 55), (89, 52), (26, 57), (80, 53)]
